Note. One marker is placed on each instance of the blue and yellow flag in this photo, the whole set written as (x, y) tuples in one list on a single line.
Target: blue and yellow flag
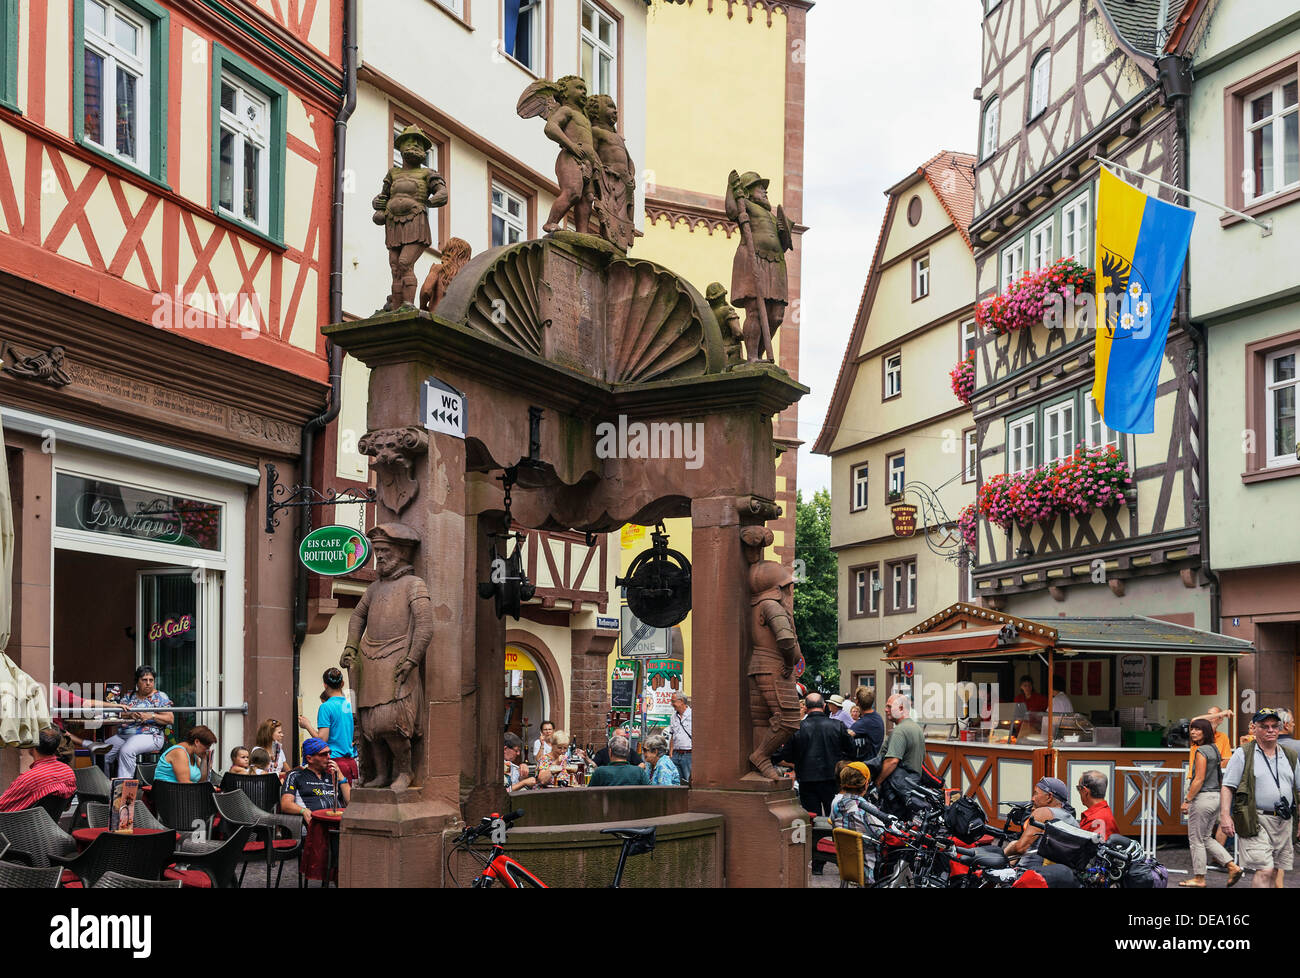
[(1141, 246)]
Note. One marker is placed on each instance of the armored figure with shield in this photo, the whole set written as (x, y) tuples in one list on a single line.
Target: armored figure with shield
[(758, 276)]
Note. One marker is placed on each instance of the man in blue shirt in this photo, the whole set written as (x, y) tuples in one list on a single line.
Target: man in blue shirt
[(334, 724)]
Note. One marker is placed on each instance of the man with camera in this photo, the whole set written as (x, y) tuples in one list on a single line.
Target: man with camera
[(1258, 800)]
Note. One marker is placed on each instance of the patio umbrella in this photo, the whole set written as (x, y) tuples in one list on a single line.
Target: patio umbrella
[(24, 711)]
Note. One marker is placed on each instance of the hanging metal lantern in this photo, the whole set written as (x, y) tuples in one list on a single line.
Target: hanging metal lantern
[(658, 583), (508, 586)]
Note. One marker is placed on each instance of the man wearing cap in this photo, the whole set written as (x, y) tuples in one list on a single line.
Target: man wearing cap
[(334, 723), (388, 635), (1050, 804), (1258, 800), (310, 788)]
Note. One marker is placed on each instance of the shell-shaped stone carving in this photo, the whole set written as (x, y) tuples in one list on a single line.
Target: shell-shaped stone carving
[(623, 320)]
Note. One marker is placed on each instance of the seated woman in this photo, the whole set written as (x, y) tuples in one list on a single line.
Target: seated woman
[(663, 770), (559, 768), (187, 762)]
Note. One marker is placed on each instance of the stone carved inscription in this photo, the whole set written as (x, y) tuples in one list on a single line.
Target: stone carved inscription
[(103, 382), (247, 424), (573, 338)]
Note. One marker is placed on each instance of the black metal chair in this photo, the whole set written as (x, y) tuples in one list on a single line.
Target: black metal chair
[(216, 868), (14, 876), (181, 806), (92, 785), (33, 833), (142, 856), (263, 790), (116, 881), (236, 809)]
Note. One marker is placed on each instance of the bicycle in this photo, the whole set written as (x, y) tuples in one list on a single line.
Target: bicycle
[(500, 869)]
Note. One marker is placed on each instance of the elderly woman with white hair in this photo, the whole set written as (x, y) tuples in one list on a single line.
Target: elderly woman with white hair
[(663, 770)]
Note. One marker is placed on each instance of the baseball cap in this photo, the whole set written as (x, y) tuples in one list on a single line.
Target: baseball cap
[(314, 745), (1054, 786), (1268, 713)]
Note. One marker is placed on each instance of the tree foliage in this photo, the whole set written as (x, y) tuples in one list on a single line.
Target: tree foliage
[(815, 590)]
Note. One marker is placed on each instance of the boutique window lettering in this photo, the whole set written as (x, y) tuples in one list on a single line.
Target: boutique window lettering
[(96, 506)]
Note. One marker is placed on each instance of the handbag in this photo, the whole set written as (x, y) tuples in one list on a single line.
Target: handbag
[(964, 819)]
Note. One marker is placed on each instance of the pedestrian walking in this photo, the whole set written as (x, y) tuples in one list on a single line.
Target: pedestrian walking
[(679, 732), (1202, 807), (817, 746)]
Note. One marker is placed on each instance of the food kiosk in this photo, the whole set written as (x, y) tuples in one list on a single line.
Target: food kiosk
[(1127, 684)]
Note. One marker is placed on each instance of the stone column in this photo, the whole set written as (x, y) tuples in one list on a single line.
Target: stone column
[(766, 842), (394, 838), (589, 686)]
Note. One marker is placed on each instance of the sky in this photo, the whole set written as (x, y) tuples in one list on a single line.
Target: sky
[(889, 84)]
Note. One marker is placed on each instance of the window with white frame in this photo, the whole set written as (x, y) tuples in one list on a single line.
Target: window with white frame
[(455, 6), (903, 585), (1097, 434), (1075, 228), (893, 375), (874, 587), (1281, 388), (1272, 123), (897, 472), (921, 277), (523, 33), (1040, 245), (1013, 263), (1020, 445), (431, 159), (1058, 431), (989, 130), (243, 157), (1040, 82), (115, 82), (860, 486), (599, 50), (860, 592), (509, 216), (969, 338), (970, 454)]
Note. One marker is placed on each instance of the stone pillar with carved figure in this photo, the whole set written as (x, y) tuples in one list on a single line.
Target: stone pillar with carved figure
[(767, 841)]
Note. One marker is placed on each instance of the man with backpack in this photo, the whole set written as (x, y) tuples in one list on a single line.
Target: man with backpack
[(1258, 800)]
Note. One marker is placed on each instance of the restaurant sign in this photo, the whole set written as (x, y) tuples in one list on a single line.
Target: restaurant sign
[(334, 550), (904, 519)]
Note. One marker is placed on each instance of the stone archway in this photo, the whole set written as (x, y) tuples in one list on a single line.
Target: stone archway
[(546, 664)]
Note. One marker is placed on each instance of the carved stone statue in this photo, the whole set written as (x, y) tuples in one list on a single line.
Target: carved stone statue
[(454, 256), (773, 702), (388, 635), (402, 208), (615, 185), (728, 323), (562, 104), (758, 276), (45, 368), (395, 451)]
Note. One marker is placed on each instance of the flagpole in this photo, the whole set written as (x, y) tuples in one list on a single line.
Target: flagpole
[(1265, 225)]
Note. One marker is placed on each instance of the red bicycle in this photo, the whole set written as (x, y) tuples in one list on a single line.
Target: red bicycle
[(500, 869)]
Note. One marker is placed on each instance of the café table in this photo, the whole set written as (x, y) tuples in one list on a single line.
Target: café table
[(84, 837), (317, 861)]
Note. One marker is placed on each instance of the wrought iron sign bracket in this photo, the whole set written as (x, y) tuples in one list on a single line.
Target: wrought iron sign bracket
[(280, 497)]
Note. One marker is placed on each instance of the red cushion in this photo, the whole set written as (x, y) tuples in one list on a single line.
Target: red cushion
[(69, 878), (189, 877), (826, 845), (279, 844)]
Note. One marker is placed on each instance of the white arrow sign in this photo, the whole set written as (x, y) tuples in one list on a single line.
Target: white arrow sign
[(443, 408)]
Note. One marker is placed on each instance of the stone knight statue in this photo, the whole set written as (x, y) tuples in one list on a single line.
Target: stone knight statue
[(402, 209), (773, 699), (388, 636), (758, 276)]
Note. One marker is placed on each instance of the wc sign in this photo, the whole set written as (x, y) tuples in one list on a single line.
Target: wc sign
[(443, 408)]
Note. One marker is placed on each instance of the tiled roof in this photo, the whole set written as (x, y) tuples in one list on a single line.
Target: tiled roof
[(1136, 21), (1141, 634), (952, 177)]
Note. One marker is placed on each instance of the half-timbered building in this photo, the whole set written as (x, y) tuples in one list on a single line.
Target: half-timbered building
[(1064, 84), (165, 189)]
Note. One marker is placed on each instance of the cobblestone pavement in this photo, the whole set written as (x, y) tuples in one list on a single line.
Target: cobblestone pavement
[(1173, 853)]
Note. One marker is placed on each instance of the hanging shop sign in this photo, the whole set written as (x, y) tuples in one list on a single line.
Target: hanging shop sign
[(904, 515), (334, 550)]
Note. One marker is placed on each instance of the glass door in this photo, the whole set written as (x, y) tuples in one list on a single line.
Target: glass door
[(175, 618)]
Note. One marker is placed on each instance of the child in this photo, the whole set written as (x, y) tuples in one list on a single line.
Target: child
[(260, 760), (239, 761)]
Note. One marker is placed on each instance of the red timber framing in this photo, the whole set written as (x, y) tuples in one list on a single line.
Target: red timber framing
[(151, 246)]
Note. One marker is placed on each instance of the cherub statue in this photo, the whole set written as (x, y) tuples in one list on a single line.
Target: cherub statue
[(615, 202), (402, 208), (454, 256), (562, 103), (758, 277)]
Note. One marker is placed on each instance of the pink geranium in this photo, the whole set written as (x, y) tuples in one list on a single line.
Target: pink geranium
[(962, 377), (1026, 302), (1089, 479)]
